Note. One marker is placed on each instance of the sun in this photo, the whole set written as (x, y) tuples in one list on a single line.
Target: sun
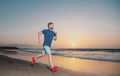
[(73, 44)]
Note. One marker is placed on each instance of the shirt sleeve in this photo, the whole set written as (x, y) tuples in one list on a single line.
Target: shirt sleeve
[(43, 31)]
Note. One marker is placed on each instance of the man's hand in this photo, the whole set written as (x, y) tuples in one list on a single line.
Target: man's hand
[(55, 38)]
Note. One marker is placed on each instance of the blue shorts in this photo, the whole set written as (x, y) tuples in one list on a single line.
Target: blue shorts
[(46, 50)]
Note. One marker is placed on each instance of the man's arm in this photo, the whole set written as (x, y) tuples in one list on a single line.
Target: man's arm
[(39, 33), (55, 38)]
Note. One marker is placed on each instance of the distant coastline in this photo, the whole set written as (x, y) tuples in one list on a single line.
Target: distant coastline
[(82, 49)]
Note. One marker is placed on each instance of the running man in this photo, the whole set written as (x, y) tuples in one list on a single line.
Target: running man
[(49, 35)]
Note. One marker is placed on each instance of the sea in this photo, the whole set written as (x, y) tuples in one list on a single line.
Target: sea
[(109, 55)]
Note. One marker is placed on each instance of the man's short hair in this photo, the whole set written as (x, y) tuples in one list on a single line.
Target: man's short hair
[(50, 24)]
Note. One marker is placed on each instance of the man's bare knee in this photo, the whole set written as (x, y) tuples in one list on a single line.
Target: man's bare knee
[(42, 55)]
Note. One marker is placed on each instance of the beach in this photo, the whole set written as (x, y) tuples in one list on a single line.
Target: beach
[(17, 63)]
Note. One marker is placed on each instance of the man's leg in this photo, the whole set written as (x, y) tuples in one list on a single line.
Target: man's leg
[(38, 56), (48, 51), (50, 60), (53, 68)]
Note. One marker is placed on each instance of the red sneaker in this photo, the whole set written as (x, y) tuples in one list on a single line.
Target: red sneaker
[(33, 60), (54, 69)]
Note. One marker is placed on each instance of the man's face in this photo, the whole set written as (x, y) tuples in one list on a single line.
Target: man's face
[(51, 26)]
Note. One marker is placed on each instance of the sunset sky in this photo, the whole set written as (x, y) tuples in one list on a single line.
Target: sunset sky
[(79, 23)]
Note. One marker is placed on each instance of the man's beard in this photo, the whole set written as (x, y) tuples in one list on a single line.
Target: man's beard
[(51, 28)]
